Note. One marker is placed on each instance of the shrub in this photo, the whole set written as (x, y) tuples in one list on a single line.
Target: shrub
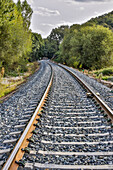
[(107, 72)]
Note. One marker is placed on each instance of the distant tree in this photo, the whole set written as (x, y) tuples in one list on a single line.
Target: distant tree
[(105, 20), (37, 44), (52, 42), (57, 34)]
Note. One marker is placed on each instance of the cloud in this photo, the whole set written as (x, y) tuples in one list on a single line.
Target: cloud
[(91, 0), (71, 2), (82, 8), (97, 13), (47, 24), (31, 1), (46, 12), (38, 31), (63, 23), (85, 1)]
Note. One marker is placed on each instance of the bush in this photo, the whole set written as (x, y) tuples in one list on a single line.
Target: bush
[(106, 72), (105, 78)]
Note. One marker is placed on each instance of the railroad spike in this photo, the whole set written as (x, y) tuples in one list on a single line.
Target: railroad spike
[(36, 125), (99, 108), (31, 140), (26, 150), (20, 163), (40, 114), (43, 107), (105, 115), (102, 111), (34, 132), (38, 120), (109, 120)]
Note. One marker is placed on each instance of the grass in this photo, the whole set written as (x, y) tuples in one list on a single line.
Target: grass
[(104, 74), (7, 88), (7, 85)]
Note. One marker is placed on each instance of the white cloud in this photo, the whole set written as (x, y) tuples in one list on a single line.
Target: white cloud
[(47, 24), (31, 1), (71, 2), (63, 23), (46, 12), (39, 31), (82, 8), (97, 13), (78, 2)]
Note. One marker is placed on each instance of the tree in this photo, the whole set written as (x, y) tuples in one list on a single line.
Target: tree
[(37, 44), (19, 6), (90, 46), (27, 12), (52, 42), (57, 34), (15, 41)]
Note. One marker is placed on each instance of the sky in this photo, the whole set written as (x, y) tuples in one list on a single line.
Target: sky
[(49, 14)]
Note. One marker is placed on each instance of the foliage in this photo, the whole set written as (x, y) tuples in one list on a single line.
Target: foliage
[(52, 42), (90, 46), (106, 71), (15, 36), (57, 34), (7, 85), (105, 20), (37, 45)]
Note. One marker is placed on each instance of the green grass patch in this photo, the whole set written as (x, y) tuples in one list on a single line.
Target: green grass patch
[(106, 71), (104, 74), (7, 88)]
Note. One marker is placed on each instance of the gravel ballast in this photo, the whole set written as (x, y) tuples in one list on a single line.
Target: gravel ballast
[(17, 110), (72, 129), (105, 92)]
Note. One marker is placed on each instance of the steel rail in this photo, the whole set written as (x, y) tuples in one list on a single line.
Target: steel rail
[(21, 139), (98, 99)]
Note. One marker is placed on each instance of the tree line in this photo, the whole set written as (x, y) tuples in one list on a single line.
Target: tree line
[(89, 45)]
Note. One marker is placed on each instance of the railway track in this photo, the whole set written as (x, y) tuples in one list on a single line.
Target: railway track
[(70, 129), (106, 93)]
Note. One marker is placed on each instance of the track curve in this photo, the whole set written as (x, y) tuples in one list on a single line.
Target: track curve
[(72, 131)]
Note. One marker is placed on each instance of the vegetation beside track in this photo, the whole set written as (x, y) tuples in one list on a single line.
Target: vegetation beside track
[(11, 81), (103, 74), (18, 45)]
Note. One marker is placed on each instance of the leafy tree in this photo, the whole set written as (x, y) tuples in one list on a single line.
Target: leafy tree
[(57, 34), (65, 47), (37, 44), (105, 20), (52, 42), (15, 40), (90, 46), (19, 6), (27, 12)]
